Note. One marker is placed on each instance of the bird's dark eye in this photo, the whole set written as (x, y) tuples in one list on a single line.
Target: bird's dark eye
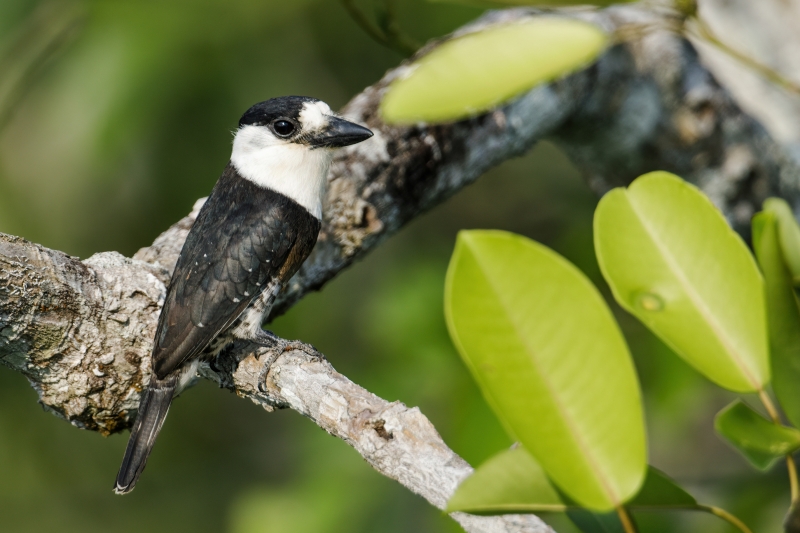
[(284, 128)]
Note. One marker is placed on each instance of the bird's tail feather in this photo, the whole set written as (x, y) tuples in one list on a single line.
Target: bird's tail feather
[(153, 408)]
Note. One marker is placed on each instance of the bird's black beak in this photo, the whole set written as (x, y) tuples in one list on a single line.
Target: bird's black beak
[(340, 132)]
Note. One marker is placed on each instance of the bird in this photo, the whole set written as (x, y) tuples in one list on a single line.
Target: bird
[(257, 227)]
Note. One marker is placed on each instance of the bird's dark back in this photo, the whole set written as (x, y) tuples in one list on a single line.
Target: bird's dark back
[(240, 242)]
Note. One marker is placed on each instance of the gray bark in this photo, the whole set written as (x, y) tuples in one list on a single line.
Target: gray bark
[(81, 331)]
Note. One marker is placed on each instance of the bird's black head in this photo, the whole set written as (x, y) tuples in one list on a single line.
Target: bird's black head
[(304, 120)]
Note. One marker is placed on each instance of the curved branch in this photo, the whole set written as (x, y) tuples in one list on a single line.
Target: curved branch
[(399, 442), (81, 333)]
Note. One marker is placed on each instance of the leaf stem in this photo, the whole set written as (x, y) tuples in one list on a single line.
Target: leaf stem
[(388, 23), (769, 406), (705, 32), (791, 466), (367, 25), (725, 515), (387, 34), (716, 511), (625, 518)]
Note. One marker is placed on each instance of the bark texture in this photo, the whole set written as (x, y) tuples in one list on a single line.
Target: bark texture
[(81, 331)]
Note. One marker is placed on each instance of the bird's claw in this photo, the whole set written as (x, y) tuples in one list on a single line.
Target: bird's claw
[(274, 344), (262, 376)]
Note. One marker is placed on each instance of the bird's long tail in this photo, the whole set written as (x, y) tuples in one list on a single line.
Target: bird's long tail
[(153, 408)]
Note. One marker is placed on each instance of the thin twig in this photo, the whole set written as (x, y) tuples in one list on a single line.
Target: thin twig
[(46, 32), (769, 405), (626, 520), (704, 31), (387, 34), (677, 20), (791, 467), (725, 515), (365, 23), (388, 22), (716, 511)]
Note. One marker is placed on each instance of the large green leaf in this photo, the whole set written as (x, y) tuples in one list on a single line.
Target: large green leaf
[(788, 235), (783, 312), (511, 481), (672, 261), (551, 361), (757, 438), (480, 70)]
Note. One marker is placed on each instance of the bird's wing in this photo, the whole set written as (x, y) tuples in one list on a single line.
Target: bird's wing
[(238, 245)]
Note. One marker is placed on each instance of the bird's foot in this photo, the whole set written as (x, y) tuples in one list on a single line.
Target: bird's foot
[(276, 346), (305, 348), (262, 376), (267, 339)]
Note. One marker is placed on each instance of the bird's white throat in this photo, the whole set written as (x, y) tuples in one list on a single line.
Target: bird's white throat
[(294, 170)]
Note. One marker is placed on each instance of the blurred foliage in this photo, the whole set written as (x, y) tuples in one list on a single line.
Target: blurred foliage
[(490, 67), (760, 440), (113, 137)]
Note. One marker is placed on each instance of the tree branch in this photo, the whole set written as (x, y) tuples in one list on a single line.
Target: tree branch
[(397, 441), (81, 331)]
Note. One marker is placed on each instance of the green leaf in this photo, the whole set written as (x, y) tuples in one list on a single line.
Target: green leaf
[(673, 262), (788, 235), (659, 491), (783, 312), (511, 481), (589, 522), (758, 439), (472, 73), (551, 361)]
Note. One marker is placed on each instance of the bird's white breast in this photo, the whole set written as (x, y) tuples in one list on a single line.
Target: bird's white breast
[(294, 170)]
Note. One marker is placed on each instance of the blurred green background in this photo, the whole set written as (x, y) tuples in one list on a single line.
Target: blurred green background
[(116, 116)]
